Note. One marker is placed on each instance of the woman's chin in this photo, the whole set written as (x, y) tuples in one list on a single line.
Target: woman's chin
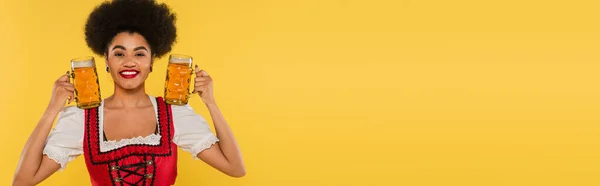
[(130, 86)]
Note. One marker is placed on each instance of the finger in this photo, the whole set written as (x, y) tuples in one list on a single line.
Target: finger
[(64, 78), (195, 88), (199, 88), (197, 91), (203, 73), (198, 83), (69, 88), (72, 97), (65, 84), (70, 91), (201, 79), (203, 88), (196, 69)]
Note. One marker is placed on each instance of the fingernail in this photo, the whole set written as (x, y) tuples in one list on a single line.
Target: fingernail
[(67, 72)]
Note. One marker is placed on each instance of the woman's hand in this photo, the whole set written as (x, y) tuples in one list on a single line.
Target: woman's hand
[(63, 90), (203, 85)]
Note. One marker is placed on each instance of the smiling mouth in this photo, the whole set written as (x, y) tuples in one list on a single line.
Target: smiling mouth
[(128, 74)]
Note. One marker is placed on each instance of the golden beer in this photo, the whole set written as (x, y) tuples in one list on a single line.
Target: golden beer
[(179, 75), (85, 80)]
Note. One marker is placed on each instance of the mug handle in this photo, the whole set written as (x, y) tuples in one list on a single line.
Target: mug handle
[(71, 75), (190, 89)]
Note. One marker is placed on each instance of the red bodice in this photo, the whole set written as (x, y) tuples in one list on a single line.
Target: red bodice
[(138, 164)]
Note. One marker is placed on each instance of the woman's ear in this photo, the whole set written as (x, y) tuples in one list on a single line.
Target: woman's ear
[(106, 62)]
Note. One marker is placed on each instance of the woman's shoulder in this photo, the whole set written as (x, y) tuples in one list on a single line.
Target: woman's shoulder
[(71, 113), (70, 121), (156, 99), (71, 110)]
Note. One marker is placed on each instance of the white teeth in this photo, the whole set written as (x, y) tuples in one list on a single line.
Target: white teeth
[(129, 73)]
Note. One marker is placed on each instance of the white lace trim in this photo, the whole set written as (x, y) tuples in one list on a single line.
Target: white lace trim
[(59, 158), (152, 139), (203, 145)]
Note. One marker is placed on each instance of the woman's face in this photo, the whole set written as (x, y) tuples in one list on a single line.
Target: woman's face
[(129, 59)]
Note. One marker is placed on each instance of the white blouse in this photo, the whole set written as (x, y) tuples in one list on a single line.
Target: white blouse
[(65, 142)]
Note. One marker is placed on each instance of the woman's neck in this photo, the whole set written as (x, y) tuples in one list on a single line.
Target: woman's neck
[(123, 98)]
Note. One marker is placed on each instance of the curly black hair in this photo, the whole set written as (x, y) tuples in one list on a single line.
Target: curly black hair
[(148, 18)]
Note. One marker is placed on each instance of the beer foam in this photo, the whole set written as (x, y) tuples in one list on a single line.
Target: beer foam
[(82, 64), (180, 59)]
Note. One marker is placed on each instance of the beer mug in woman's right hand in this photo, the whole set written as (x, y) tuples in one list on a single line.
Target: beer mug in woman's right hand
[(85, 80), (177, 84)]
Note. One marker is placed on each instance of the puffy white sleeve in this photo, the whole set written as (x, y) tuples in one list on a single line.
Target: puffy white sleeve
[(192, 133), (65, 141)]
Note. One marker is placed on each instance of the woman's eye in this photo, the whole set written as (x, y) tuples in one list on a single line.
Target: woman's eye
[(140, 55), (119, 54)]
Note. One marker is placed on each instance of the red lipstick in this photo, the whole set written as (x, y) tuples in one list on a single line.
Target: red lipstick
[(128, 74)]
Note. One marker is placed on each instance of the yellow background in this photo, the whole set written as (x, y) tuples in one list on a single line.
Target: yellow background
[(349, 92)]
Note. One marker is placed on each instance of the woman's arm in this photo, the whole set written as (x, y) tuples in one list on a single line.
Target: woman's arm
[(225, 155), (34, 167)]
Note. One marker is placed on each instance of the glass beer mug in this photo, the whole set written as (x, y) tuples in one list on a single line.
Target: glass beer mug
[(85, 80), (177, 84)]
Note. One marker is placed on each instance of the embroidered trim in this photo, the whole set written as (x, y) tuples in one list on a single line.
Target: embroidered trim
[(57, 157), (205, 144), (152, 139)]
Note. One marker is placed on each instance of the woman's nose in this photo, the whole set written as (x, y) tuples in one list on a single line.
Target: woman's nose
[(129, 62)]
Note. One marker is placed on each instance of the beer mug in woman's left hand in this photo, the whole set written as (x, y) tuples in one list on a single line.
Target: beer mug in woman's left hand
[(85, 80), (177, 84)]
